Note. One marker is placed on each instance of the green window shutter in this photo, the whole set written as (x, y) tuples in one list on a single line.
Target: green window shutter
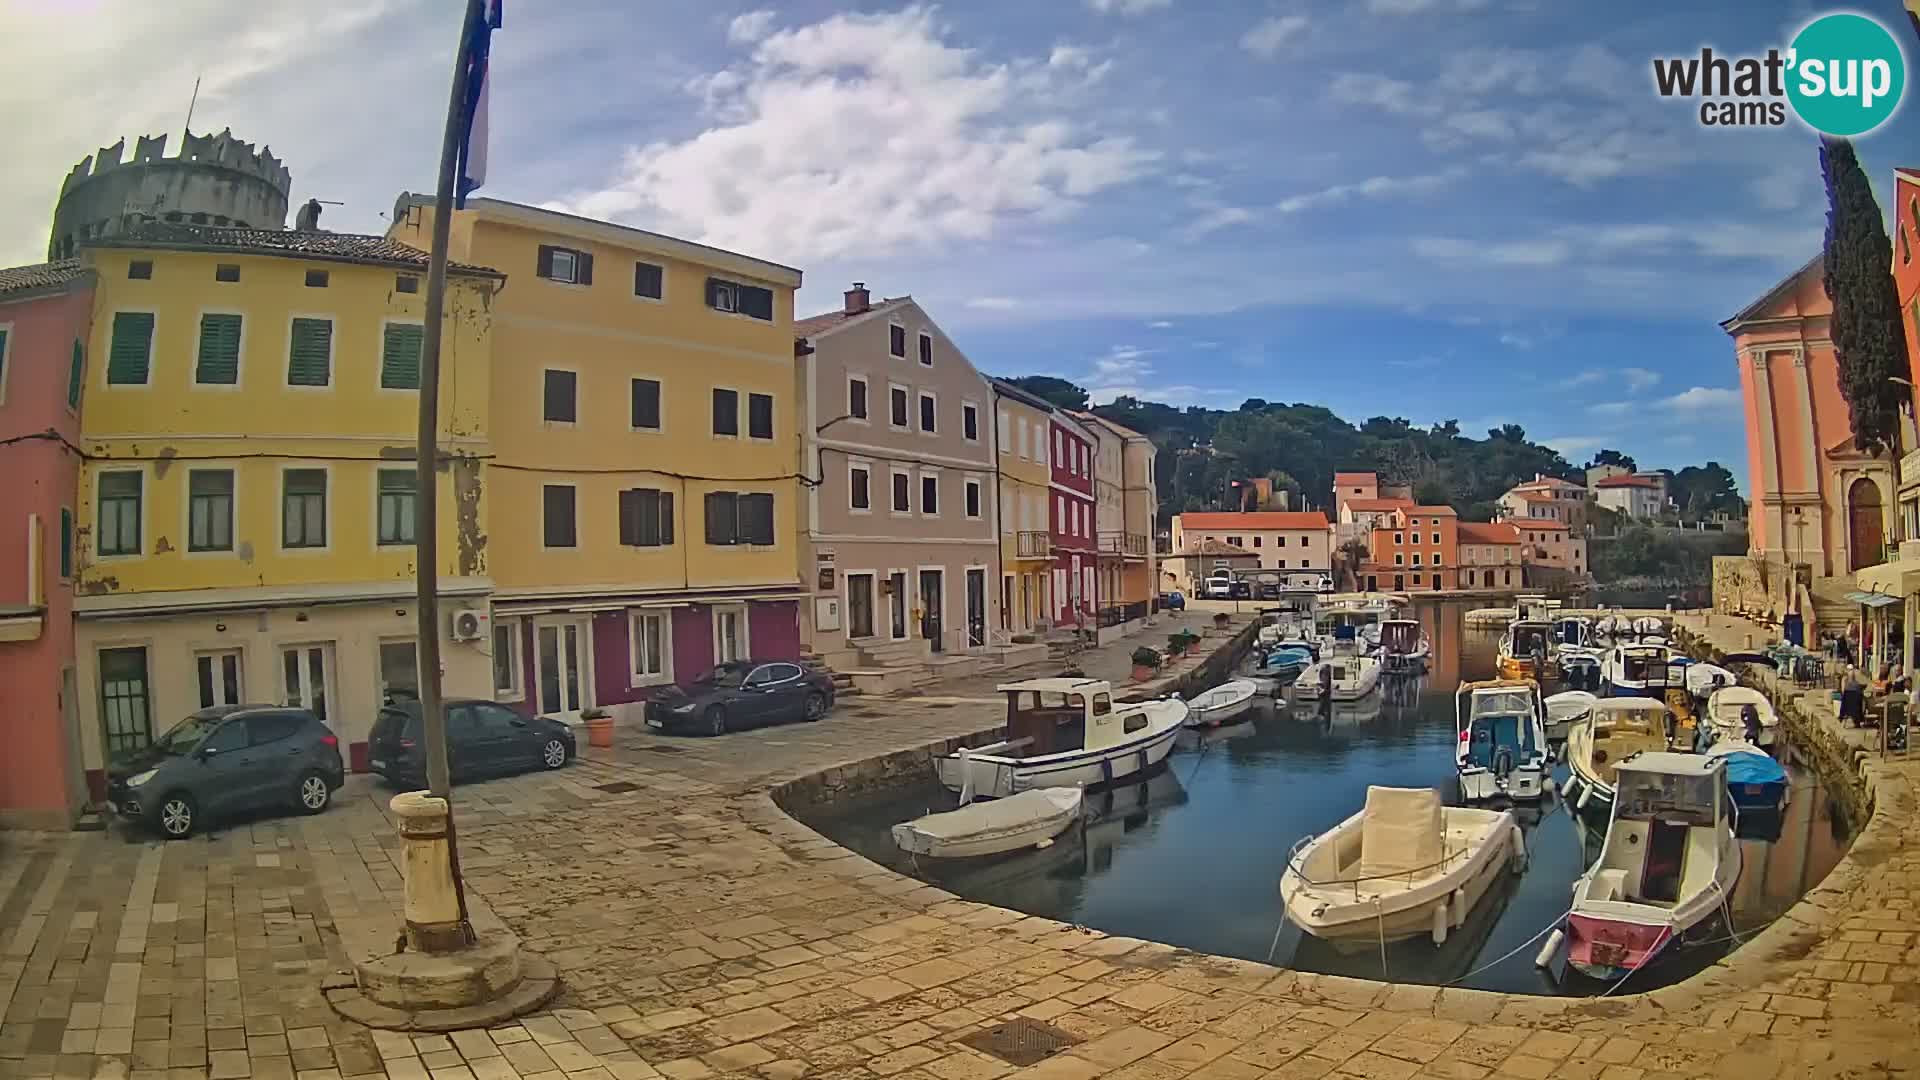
[(3, 352), (132, 349), (311, 361), (75, 374), (219, 351), (400, 357), (66, 542)]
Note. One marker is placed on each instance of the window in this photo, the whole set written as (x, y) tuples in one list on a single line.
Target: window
[(219, 359), (66, 543), (748, 300), (928, 412), (645, 404), (303, 508), (897, 406), (406, 283), (556, 516), (859, 497), (759, 416), (856, 397), (396, 491), (226, 272), (119, 524), (1281, 541), (1399, 559), (1396, 538), (737, 518), (650, 647), (506, 660), (557, 396), (310, 353), (646, 517), (131, 350), (1416, 577), (729, 633), (1434, 558), (1002, 431), (316, 279), (565, 265), (902, 491), (897, 341), (970, 422), (400, 345), (1234, 540), (649, 281), (1416, 558), (124, 701), (1282, 564), (973, 499), (75, 372), (930, 494), (726, 412), (140, 270), (210, 510), (1059, 446), (926, 349), (1256, 543)]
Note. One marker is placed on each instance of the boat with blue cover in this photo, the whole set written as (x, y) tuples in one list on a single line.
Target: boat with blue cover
[(1502, 749), (1755, 780)]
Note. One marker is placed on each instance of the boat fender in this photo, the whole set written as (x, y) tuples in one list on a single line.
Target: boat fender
[(1545, 958), (1106, 770), (1440, 924), (1519, 843), (1567, 789), (1585, 797), (1042, 845), (1457, 905), (966, 776)]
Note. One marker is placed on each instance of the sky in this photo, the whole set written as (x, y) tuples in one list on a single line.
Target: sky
[(1434, 209)]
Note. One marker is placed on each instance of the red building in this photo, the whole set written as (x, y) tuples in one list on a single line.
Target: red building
[(1071, 522), (1416, 549)]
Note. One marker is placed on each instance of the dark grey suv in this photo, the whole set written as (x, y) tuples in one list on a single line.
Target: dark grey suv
[(227, 760)]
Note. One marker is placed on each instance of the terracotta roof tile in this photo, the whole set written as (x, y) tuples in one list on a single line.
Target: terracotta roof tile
[(1259, 519), (814, 324), (1627, 481), (1216, 548), (1378, 504), (293, 243), (1488, 532), (39, 275)]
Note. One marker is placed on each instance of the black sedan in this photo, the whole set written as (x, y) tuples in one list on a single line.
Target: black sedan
[(743, 694), (483, 739)]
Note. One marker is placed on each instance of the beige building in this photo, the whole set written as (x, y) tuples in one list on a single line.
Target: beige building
[(901, 526), (1125, 505), (1187, 568), (1490, 556), (1296, 541), (1544, 498)]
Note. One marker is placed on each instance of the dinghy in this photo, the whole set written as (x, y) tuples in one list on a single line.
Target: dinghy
[(1756, 782), (1668, 864), (1502, 744), (1616, 729), (1029, 819), (1221, 704), (1065, 732), (1403, 866), (1566, 709), (1729, 708)]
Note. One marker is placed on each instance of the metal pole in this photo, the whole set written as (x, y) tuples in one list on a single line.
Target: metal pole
[(427, 453)]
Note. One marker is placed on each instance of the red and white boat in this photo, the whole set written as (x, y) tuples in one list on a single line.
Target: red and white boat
[(1668, 864)]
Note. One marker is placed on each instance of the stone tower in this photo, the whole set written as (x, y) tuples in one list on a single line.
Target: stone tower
[(215, 180)]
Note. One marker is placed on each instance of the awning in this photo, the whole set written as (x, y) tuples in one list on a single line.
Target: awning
[(1872, 600), (1900, 577)]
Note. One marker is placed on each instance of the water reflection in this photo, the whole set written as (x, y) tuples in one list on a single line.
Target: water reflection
[(1192, 856)]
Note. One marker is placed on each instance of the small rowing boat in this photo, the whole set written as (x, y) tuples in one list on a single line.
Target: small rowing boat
[(1029, 819), (1221, 704)]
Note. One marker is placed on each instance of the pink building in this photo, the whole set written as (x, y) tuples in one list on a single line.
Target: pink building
[(1072, 522), (45, 312)]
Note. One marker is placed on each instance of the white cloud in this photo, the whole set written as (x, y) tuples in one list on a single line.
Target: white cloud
[(1583, 378), (1416, 363), (1639, 378), (1612, 408), (1513, 339), (1574, 445), (750, 27), (1380, 92), (1507, 253), (1128, 7), (868, 132), (1370, 188), (1267, 35), (993, 303), (1702, 399), (1221, 217), (1160, 324)]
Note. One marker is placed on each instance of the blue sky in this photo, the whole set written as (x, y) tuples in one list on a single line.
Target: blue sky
[(1471, 209)]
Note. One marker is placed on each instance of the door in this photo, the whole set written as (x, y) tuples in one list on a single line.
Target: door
[(219, 676), (275, 757), (513, 742), (1866, 536), (481, 744), (125, 700), (930, 589), (399, 672), (976, 607), (307, 676), (897, 604), (225, 779), (559, 660), (775, 693), (860, 605)]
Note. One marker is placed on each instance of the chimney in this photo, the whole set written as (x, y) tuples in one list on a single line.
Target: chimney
[(308, 217), (858, 299)]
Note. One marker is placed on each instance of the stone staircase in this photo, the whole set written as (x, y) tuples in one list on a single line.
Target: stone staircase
[(880, 666)]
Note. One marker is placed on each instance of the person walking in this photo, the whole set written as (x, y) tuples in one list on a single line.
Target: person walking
[(1853, 698)]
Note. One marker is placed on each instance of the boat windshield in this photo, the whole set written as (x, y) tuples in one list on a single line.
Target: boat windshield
[(1568, 632), (1527, 637), (1502, 702), (1645, 667), (1644, 796), (1565, 710)]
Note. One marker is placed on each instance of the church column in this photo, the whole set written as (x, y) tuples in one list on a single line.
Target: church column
[(1769, 460)]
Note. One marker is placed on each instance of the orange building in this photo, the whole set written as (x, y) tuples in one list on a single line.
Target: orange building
[(1906, 281), (1348, 486), (1416, 549)]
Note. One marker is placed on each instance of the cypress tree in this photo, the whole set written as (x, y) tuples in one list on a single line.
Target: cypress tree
[(1868, 341)]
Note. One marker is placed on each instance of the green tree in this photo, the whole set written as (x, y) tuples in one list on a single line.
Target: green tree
[(1432, 491), (1057, 392), (1613, 457)]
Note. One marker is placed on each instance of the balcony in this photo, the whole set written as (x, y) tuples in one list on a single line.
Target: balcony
[(1032, 544), (1129, 545)]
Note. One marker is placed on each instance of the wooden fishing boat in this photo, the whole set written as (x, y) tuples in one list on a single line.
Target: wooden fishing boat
[(1065, 733), (1525, 640), (1028, 819), (1615, 729)]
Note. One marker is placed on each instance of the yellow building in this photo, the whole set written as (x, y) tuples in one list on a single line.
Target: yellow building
[(245, 506), (1021, 423), (1128, 504), (643, 428)]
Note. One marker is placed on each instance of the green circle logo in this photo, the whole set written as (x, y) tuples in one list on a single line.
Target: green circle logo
[(1846, 74)]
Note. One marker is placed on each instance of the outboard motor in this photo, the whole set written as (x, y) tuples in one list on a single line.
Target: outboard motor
[(1750, 719), (1503, 762)]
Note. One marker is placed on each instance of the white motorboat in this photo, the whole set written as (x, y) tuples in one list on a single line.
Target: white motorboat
[(1501, 748), (1403, 646), (1526, 651), (1342, 676), (1403, 866), (1668, 864), (1615, 729), (1703, 679), (1028, 819), (1636, 670), (1221, 704), (1566, 709), (1065, 733), (1727, 712), (1647, 626)]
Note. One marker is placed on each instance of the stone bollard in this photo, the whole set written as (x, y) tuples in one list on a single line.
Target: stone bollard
[(432, 907)]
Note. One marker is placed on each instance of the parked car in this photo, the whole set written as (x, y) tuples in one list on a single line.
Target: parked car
[(226, 760), (743, 694), (483, 739), (1220, 587)]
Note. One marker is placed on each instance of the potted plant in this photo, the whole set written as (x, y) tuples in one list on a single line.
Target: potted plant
[(1220, 620), (1176, 644), (1193, 643), (1145, 663), (599, 727)]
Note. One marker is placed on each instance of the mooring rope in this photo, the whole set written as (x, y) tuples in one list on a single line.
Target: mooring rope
[(1543, 933), (1645, 959)]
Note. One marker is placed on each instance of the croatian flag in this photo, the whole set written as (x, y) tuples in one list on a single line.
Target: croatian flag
[(473, 143)]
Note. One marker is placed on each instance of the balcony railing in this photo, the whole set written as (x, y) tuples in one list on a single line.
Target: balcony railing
[(1032, 544), (1129, 544), (1115, 614)]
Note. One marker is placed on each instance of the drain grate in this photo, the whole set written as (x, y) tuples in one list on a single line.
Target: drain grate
[(1021, 1042), (664, 749), (618, 787)]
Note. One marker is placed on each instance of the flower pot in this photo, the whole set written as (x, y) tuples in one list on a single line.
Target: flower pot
[(1193, 648), (1141, 673), (1220, 619), (600, 732)]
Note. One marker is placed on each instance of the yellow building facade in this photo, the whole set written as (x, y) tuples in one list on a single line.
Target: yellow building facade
[(1021, 423), (644, 403), (245, 503)]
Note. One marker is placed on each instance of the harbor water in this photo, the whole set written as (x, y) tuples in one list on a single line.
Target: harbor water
[(1193, 855)]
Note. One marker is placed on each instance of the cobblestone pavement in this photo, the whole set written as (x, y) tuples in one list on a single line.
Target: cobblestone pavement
[(704, 934)]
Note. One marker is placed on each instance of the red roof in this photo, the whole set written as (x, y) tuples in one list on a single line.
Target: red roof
[(1254, 520), (1217, 549), (1488, 532), (1379, 504), (1627, 481), (1528, 496), (814, 324), (1546, 524), (1436, 511)]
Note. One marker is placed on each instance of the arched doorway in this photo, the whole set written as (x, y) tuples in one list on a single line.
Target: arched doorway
[(1866, 526)]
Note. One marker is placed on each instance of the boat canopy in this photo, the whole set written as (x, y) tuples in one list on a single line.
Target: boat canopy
[(1667, 786), (1526, 635), (1749, 765), (1569, 705), (1644, 663), (1400, 635), (1058, 715)]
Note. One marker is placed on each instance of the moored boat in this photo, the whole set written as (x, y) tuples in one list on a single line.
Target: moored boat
[(1667, 865), (1341, 676), (1065, 732), (1566, 709), (1501, 750), (1755, 781), (1741, 712), (1404, 648), (1615, 729), (1403, 866), (1221, 704), (1526, 651), (1635, 670), (1028, 819)]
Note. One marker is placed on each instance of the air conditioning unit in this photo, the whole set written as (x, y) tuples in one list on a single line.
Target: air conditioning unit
[(467, 624)]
